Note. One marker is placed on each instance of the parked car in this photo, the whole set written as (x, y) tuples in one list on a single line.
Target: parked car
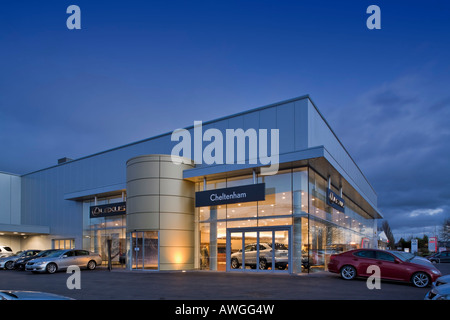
[(62, 259), (411, 257), (8, 262), (265, 256), (19, 264), (5, 251), (439, 257), (441, 292), (393, 266), (441, 281), (30, 295)]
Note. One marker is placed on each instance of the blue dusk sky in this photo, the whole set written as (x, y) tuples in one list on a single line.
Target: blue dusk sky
[(140, 68)]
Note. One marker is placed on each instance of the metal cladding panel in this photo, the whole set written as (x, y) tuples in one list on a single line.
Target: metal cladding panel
[(286, 126), (320, 134), (9, 198)]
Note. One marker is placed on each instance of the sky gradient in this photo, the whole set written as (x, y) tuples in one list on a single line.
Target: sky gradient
[(140, 68)]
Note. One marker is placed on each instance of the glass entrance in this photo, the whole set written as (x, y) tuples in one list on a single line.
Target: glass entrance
[(259, 249), (144, 250)]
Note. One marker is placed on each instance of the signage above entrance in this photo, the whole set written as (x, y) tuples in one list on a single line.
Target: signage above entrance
[(248, 193), (107, 210), (335, 201)]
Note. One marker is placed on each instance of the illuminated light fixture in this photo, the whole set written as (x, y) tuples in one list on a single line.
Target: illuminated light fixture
[(239, 204), (178, 258)]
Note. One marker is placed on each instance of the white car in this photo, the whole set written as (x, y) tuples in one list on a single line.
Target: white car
[(265, 256), (5, 251)]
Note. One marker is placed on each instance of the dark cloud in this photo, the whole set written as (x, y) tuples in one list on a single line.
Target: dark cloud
[(402, 144)]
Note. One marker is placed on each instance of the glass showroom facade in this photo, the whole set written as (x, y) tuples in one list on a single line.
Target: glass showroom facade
[(294, 218), (140, 210)]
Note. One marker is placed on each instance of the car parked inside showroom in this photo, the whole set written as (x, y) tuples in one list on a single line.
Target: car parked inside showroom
[(62, 259), (20, 263), (8, 262), (265, 256), (398, 267)]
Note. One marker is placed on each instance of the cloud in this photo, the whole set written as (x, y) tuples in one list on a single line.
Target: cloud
[(425, 212), (403, 147)]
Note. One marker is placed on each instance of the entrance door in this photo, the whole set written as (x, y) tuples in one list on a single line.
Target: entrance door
[(259, 249), (144, 250)]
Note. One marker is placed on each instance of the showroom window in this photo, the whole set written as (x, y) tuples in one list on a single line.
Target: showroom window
[(63, 243), (97, 231)]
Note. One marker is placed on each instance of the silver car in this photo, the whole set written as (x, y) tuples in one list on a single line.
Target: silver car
[(30, 295), (8, 262), (265, 256), (62, 259), (441, 292)]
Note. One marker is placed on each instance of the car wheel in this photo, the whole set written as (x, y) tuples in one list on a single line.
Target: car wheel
[(262, 264), (51, 268), (234, 263), (9, 265), (348, 272), (420, 279), (91, 265)]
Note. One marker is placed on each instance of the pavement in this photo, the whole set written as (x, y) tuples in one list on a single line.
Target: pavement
[(119, 284)]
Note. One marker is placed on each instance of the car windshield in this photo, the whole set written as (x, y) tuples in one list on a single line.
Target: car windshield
[(278, 246), (45, 253)]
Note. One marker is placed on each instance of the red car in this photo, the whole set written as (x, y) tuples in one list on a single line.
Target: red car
[(393, 266)]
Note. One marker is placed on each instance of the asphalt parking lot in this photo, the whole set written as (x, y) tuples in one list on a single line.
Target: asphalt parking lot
[(102, 284)]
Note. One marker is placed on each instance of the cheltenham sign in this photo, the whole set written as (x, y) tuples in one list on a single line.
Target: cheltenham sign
[(251, 192)]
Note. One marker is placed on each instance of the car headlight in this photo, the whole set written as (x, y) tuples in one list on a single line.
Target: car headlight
[(40, 263), (435, 271)]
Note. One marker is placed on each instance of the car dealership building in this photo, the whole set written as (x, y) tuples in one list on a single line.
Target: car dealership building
[(146, 211)]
